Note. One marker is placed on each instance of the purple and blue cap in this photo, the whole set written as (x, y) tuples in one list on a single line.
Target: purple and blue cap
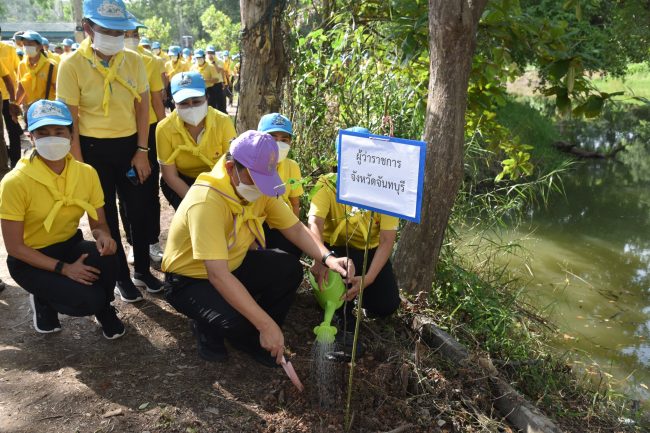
[(44, 113), (258, 152), (110, 14), (187, 85), (275, 122)]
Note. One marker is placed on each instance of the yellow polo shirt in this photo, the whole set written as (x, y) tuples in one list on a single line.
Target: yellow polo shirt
[(218, 64), (202, 225), (152, 66), (80, 85), (34, 79), (22, 198), (10, 60), (214, 141), (289, 172), (324, 205), (207, 71), (172, 68)]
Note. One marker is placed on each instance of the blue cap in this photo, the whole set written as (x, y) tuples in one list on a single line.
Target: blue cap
[(45, 41), (145, 41), (186, 51), (136, 22), (275, 122), (110, 14), (199, 53), (67, 42), (359, 129), (187, 85), (31, 35), (155, 45), (174, 50), (210, 49), (44, 112), (75, 46), (20, 52)]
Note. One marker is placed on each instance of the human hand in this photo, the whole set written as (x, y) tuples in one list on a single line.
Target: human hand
[(106, 245), (343, 266), (272, 339), (320, 273), (355, 288), (14, 111), (80, 272), (140, 163)]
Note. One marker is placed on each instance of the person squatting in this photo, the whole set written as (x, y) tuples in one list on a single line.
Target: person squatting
[(115, 119)]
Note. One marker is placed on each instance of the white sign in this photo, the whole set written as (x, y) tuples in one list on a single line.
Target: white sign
[(382, 174)]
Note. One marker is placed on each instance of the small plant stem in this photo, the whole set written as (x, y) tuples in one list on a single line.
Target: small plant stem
[(348, 404)]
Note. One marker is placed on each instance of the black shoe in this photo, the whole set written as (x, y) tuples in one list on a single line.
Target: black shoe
[(112, 326), (343, 344), (148, 281), (255, 351), (127, 291), (210, 347), (46, 318)]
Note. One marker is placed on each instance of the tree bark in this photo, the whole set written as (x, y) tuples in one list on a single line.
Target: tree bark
[(452, 40), (263, 61), (77, 12)]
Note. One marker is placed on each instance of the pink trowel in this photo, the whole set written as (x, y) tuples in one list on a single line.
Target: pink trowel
[(291, 372)]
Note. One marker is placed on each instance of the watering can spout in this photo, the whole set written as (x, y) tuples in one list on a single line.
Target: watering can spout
[(329, 299)]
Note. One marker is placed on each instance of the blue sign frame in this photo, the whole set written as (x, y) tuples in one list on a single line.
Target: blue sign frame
[(423, 151)]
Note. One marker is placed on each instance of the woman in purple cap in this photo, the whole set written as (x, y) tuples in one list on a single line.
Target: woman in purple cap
[(218, 271), (41, 202), (106, 89)]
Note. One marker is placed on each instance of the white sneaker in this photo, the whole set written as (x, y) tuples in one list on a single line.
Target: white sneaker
[(155, 252), (129, 257)]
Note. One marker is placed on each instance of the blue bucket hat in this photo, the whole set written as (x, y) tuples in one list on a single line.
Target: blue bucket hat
[(199, 53), (187, 85), (31, 35), (145, 41), (275, 122), (110, 14), (210, 49), (44, 112), (155, 45), (67, 42)]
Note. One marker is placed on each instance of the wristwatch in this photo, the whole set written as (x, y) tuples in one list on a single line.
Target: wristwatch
[(326, 256)]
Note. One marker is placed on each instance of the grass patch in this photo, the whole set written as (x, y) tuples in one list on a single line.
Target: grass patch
[(635, 83)]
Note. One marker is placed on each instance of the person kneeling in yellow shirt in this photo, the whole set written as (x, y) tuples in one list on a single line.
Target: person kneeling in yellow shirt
[(281, 129), (337, 225), (41, 202), (192, 139), (217, 269)]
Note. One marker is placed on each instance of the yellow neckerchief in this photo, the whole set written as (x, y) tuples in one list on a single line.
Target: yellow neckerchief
[(354, 217), (194, 150), (219, 181), (32, 71), (37, 170), (110, 74)]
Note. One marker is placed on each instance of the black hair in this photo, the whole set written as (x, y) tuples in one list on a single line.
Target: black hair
[(238, 165)]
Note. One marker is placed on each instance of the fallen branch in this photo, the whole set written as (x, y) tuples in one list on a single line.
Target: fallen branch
[(512, 405)]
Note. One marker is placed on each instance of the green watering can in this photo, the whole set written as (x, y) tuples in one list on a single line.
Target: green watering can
[(329, 300)]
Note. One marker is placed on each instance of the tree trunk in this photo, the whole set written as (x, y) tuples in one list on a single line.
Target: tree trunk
[(263, 61), (452, 40), (77, 13)]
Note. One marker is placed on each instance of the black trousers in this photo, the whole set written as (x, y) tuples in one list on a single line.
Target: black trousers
[(61, 293), (276, 240), (152, 196), (271, 277), (381, 298), (111, 157), (171, 196), (217, 97), (15, 132)]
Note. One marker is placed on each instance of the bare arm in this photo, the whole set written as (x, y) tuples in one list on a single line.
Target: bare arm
[(140, 160), (171, 178), (158, 106), (295, 205), (75, 146), (106, 245), (234, 292), (316, 224)]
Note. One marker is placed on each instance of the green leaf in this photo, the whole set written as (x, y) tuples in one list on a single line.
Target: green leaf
[(143, 406)]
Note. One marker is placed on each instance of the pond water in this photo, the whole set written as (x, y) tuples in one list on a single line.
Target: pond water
[(585, 264)]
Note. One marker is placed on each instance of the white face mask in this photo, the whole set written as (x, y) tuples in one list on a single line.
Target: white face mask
[(108, 45), (193, 115), (250, 193), (200, 61), (31, 51), (132, 43), (283, 150), (52, 148), (156, 51)]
